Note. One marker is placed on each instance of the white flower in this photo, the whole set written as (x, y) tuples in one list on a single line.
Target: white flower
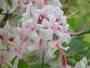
[(82, 63)]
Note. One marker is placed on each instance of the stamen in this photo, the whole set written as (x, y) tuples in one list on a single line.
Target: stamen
[(1, 37), (11, 39)]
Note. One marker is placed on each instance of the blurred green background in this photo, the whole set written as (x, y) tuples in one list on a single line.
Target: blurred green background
[(78, 12)]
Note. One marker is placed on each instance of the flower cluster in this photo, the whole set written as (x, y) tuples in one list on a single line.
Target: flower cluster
[(44, 21), (43, 27)]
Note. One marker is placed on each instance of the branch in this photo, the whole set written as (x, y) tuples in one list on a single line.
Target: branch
[(80, 33)]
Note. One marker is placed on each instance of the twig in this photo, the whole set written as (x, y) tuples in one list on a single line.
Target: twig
[(79, 33)]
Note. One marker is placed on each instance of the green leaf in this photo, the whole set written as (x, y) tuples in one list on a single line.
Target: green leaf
[(23, 64), (38, 65), (73, 22), (87, 38)]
